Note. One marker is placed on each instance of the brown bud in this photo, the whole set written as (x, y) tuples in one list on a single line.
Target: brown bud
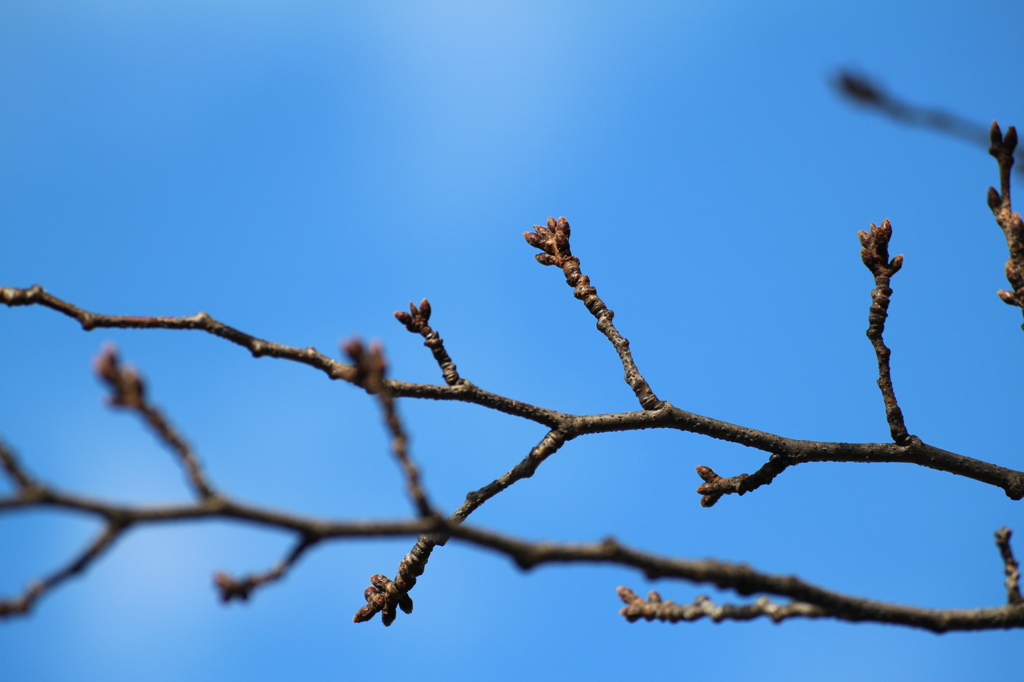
[(885, 231), (404, 318), (865, 238), (995, 135), (707, 473), (551, 223), (533, 239), (563, 225), (995, 201), (709, 501), (425, 309), (546, 259), (405, 603), (895, 264), (1010, 140), (1009, 298)]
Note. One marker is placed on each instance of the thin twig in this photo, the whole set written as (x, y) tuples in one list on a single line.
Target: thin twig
[(553, 240), (128, 391), (201, 321), (1010, 567), (370, 368), (1013, 228), (385, 594), (242, 588), (416, 322), (13, 467), (875, 255), (23, 604), (653, 608)]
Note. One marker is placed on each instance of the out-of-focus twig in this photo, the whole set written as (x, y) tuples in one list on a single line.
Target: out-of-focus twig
[(241, 588), (128, 392), (867, 93)]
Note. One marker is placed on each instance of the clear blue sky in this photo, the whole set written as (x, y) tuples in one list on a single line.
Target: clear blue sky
[(301, 170)]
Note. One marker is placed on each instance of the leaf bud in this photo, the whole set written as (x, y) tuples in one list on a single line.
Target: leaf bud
[(994, 200), (1009, 298), (1010, 140), (995, 135)]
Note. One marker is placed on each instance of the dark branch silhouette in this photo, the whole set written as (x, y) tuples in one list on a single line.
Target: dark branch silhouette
[(367, 370)]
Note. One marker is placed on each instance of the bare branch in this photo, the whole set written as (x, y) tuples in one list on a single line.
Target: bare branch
[(128, 391), (792, 451), (416, 322), (201, 321), (875, 255), (745, 580), (553, 240)]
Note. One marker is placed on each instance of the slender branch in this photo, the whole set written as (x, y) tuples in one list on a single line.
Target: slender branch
[(416, 322), (128, 391), (553, 240), (1010, 567), (23, 604), (875, 255), (791, 451), (1013, 228), (241, 589), (201, 321), (385, 594), (370, 368), (653, 608)]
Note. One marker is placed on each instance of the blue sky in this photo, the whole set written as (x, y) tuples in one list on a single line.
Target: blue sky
[(301, 170)]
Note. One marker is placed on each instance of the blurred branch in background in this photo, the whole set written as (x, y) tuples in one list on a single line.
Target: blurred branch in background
[(867, 93)]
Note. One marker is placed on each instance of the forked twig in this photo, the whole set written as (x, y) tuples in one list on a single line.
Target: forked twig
[(1013, 228)]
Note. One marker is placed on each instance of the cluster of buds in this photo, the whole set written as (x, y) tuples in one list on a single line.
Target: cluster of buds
[(124, 381), (382, 595), (231, 589), (875, 253), (553, 240), (417, 318)]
